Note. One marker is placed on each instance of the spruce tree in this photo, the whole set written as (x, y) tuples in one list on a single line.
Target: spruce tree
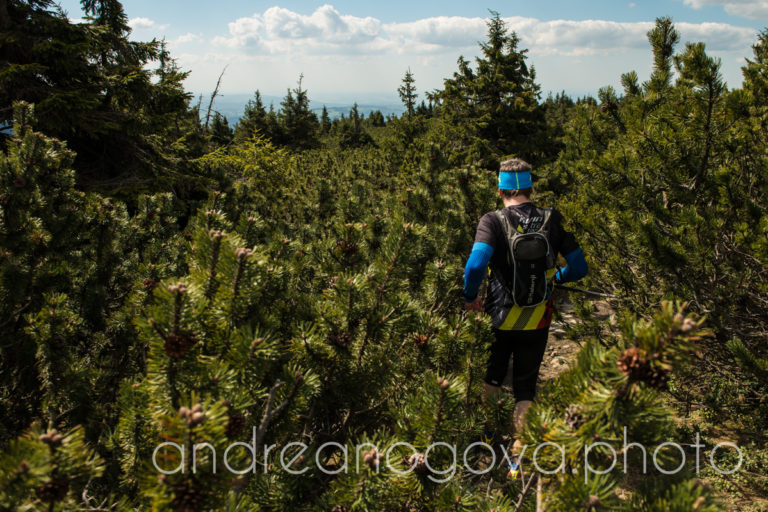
[(493, 109), (352, 132), (254, 119), (221, 133), (407, 93), (325, 121), (299, 122)]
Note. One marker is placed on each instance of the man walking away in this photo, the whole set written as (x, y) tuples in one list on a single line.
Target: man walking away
[(519, 304)]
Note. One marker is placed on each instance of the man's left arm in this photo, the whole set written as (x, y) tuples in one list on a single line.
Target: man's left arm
[(567, 245), (574, 270)]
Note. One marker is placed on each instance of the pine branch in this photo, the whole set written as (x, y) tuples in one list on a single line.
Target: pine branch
[(266, 420), (524, 492)]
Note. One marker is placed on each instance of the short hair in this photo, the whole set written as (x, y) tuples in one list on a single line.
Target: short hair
[(514, 165), (509, 194)]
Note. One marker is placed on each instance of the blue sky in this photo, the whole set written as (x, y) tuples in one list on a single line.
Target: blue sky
[(359, 51)]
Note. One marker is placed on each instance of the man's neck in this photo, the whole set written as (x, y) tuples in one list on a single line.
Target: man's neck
[(515, 201)]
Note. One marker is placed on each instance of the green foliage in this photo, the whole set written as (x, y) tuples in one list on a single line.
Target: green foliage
[(48, 469), (674, 162), (613, 396), (294, 125), (93, 88), (313, 294), (667, 185)]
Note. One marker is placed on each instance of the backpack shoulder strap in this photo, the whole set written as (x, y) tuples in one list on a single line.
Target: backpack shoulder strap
[(509, 232), (547, 217)]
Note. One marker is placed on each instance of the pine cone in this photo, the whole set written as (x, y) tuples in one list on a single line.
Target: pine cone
[(420, 340), (54, 490), (347, 247), (635, 364), (51, 438), (179, 288), (193, 417), (656, 378), (418, 463), (177, 344), (573, 417), (187, 497), (243, 253), (148, 284), (341, 339), (689, 325), (373, 458)]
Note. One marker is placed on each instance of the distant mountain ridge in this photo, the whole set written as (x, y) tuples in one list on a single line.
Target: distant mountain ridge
[(231, 106)]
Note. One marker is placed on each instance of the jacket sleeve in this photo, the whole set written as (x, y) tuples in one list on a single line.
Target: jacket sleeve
[(575, 269), (475, 269)]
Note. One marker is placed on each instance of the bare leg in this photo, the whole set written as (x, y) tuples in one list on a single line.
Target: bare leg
[(521, 408)]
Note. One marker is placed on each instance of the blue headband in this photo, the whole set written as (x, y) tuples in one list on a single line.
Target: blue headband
[(515, 180)]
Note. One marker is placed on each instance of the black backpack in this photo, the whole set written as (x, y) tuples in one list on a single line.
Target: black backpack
[(530, 256)]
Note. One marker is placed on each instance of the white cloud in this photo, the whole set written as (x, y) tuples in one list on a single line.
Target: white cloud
[(443, 31), (326, 31), (718, 36), (280, 30), (186, 38), (756, 9), (339, 53), (144, 24), (140, 23), (579, 37)]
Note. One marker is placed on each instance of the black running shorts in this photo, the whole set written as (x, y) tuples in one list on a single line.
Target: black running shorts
[(527, 351)]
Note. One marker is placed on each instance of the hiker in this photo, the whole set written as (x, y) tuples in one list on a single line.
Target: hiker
[(520, 331)]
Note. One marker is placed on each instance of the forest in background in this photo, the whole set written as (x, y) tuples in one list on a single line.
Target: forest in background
[(165, 277)]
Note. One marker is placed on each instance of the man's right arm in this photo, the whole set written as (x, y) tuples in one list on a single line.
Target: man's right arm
[(474, 271), (482, 250)]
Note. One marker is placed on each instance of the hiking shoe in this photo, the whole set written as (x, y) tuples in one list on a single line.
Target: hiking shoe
[(514, 471)]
